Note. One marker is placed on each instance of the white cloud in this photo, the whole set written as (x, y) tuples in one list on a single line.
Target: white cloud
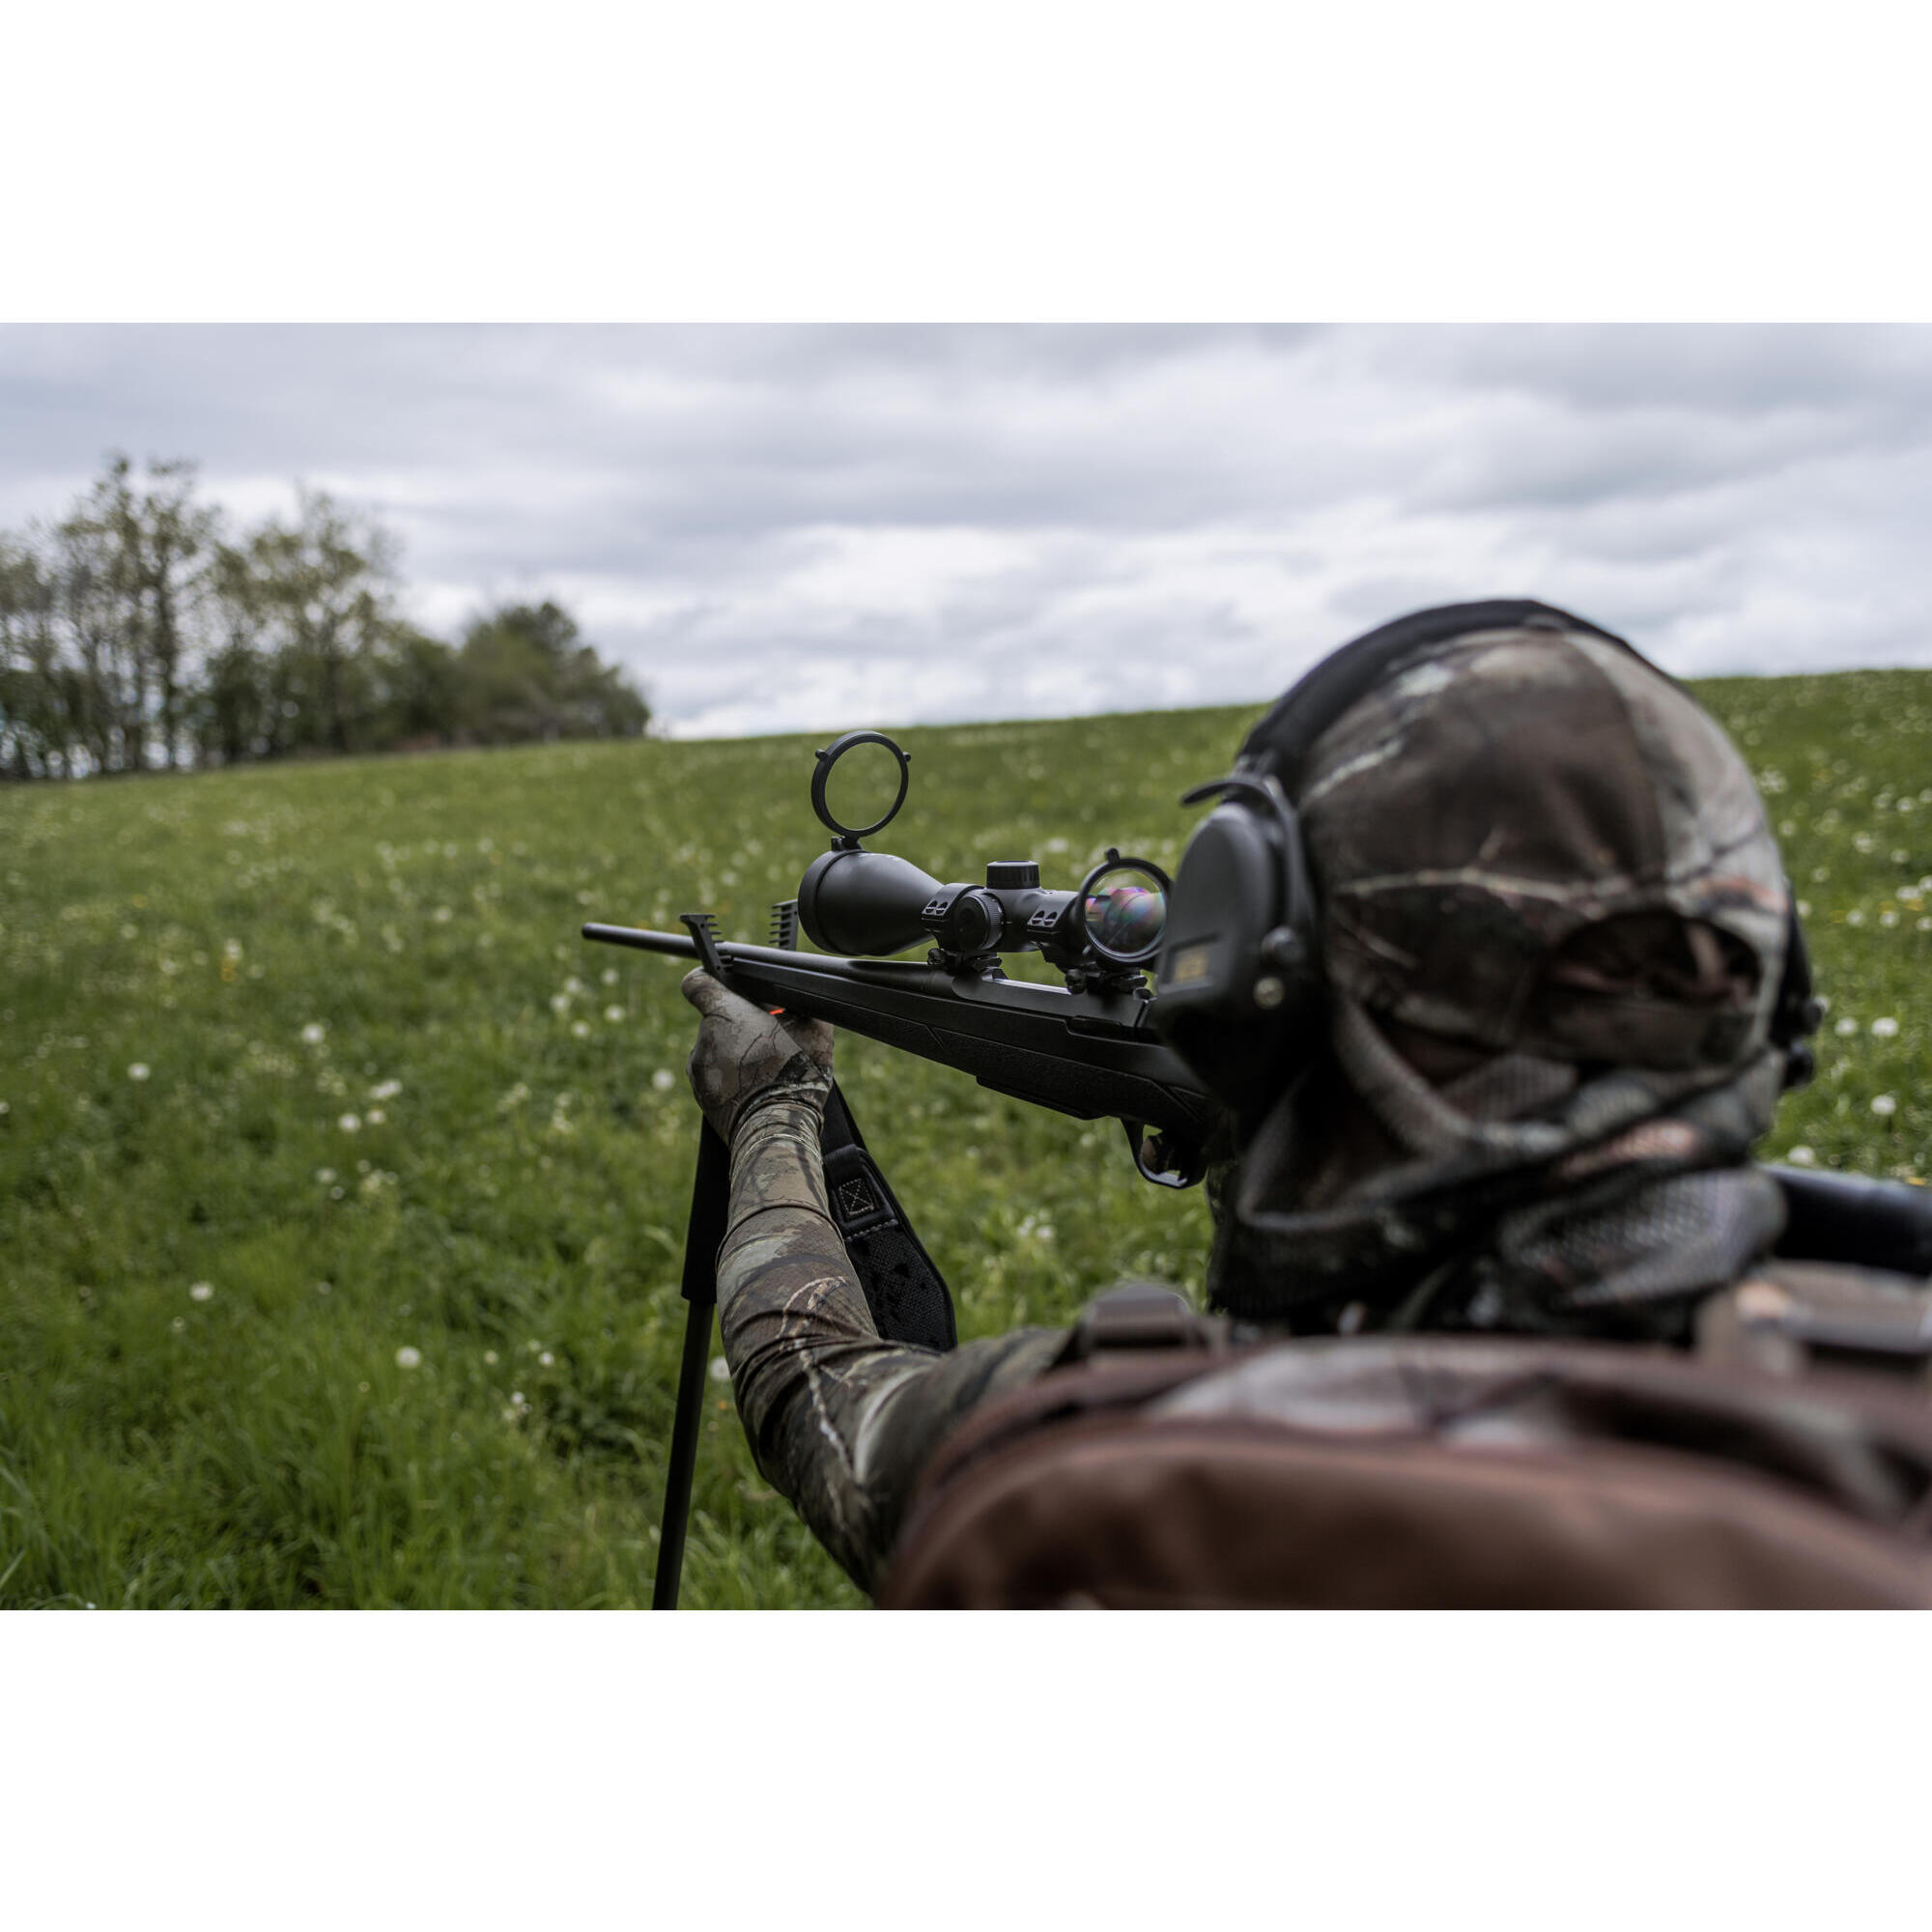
[(801, 528)]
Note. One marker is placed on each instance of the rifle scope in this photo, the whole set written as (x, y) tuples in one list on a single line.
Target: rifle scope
[(869, 904)]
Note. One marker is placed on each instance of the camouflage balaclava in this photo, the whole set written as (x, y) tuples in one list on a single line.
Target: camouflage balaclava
[(1545, 876)]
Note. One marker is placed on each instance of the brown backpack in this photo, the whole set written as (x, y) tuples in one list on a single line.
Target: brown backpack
[(1169, 1467)]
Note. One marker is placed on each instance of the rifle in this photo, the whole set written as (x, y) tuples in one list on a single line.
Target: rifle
[(1087, 1048)]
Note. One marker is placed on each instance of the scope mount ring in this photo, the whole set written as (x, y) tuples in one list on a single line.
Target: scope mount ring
[(822, 770), (1114, 862)]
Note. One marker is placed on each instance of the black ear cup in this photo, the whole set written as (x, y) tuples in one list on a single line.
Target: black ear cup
[(1238, 981), (1798, 1015)]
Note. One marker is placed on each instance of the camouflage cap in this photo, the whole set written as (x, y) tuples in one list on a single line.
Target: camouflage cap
[(1530, 838)]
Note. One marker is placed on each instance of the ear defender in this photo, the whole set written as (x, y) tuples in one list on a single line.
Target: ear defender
[(1239, 987), (1238, 979), (1797, 1013)]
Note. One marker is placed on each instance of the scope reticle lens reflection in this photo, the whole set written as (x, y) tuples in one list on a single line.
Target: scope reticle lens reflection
[(1126, 913), (860, 788)]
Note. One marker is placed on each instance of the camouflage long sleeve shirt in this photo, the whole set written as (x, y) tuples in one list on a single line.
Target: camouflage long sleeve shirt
[(841, 1421)]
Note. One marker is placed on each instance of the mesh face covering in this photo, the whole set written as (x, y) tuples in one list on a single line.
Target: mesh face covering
[(1536, 848)]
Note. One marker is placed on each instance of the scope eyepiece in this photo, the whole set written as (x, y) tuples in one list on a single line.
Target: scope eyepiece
[(1121, 909)]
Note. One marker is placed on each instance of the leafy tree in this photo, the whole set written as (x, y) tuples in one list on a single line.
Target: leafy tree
[(132, 634), (317, 598), (422, 680), (161, 538), (34, 733), (526, 675)]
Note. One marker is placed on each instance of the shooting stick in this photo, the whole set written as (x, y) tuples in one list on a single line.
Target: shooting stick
[(710, 1192)]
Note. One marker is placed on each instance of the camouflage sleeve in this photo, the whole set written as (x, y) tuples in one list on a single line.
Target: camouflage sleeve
[(841, 1421)]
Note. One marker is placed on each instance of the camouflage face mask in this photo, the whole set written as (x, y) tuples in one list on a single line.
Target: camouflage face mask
[(1533, 849)]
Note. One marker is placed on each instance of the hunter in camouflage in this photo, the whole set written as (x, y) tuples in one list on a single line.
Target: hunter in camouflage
[(1554, 929)]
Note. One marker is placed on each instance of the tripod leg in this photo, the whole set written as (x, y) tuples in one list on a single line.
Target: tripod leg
[(705, 1230), (683, 1455)]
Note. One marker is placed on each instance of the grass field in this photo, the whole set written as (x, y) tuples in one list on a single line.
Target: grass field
[(342, 1187)]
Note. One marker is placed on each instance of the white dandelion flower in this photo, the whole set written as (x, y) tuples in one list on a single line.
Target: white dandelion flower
[(664, 1079), (138, 1070), (386, 1090), (374, 1116), (177, 1324), (546, 1360), (408, 1357), (350, 1124), (1802, 1156), (720, 1369), (490, 1357), (612, 1014), (1885, 1029), (609, 976), (202, 1290), (314, 1034), (1883, 1104), (580, 1029), (324, 1175), (1846, 1027)]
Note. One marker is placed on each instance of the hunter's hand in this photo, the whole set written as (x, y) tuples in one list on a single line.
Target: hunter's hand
[(746, 1056)]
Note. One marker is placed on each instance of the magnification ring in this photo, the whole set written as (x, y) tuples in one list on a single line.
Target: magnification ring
[(822, 771)]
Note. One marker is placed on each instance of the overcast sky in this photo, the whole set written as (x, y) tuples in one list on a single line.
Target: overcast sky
[(813, 527)]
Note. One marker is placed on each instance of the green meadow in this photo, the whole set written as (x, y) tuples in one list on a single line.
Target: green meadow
[(342, 1186)]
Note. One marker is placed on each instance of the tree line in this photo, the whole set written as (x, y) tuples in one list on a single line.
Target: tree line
[(138, 634)]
